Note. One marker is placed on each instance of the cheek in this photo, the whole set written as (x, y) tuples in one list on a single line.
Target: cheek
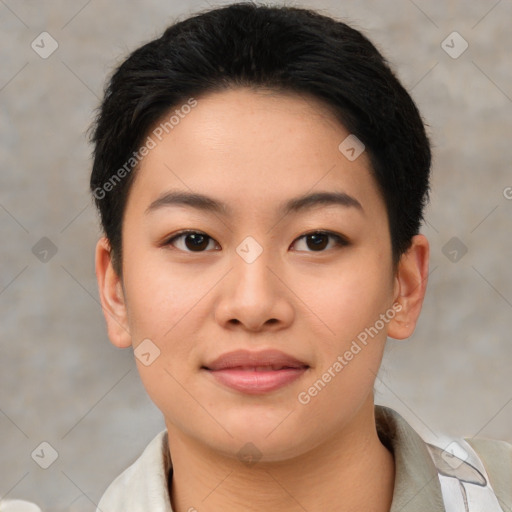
[(161, 297), (349, 359), (351, 297), (169, 390)]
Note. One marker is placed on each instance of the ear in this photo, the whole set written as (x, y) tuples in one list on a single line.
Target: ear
[(112, 296), (410, 286)]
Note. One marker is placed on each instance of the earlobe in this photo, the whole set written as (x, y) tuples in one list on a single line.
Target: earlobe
[(410, 285), (112, 296)]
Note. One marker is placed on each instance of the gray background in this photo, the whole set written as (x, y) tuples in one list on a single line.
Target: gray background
[(62, 382)]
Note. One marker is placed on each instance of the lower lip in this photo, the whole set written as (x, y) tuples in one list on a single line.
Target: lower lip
[(257, 382)]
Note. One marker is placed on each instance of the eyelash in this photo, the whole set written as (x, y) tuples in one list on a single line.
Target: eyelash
[(340, 241)]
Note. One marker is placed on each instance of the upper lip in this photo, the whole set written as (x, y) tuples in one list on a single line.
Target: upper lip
[(250, 359)]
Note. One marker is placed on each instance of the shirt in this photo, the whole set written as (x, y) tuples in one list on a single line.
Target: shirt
[(144, 486)]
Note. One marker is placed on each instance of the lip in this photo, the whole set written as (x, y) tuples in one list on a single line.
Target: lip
[(256, 372), (251, 359)]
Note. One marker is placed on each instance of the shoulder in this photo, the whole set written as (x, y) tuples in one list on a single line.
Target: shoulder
[(468, 469), (492, 448), (496, 456), (145, 479)]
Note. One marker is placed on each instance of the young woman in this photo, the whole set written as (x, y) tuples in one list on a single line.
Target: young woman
[(261, 176)]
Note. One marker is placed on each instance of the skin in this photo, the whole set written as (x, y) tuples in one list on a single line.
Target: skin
[(253, 150)]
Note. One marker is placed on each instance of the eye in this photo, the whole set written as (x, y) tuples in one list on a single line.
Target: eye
[(318, 240), (194, 241)]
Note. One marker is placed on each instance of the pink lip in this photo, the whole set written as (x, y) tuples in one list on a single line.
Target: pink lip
[(244, 370)]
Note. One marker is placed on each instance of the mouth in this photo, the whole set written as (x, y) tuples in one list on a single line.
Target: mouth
[(256, 372)]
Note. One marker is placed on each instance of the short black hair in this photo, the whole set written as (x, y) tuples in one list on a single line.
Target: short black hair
[(284, 49)]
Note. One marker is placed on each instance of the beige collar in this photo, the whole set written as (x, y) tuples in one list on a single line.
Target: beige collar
[(144, 485)]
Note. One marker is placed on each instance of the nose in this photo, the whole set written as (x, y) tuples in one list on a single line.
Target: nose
[(254, 295)]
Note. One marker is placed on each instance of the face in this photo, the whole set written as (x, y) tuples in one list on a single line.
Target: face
[(308, 281)]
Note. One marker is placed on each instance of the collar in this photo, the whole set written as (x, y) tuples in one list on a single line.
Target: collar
[(144, 485), (417, 484)]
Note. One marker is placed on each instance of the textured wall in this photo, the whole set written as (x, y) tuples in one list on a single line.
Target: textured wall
[(61, 381)]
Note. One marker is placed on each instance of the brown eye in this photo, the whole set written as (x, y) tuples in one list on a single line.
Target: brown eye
[(319, 240), (194, 241)]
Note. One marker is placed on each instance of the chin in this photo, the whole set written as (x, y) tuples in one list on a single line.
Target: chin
[(271, 440)]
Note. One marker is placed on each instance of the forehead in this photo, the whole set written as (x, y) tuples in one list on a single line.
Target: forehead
[(260, 145)]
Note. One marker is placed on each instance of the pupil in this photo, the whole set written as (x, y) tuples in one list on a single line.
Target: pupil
[(317, 240), (197, 238)]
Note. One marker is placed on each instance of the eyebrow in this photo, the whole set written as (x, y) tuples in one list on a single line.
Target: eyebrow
[(294, 205)]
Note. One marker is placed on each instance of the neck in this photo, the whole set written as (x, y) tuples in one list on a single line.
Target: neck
[(351, 471)]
